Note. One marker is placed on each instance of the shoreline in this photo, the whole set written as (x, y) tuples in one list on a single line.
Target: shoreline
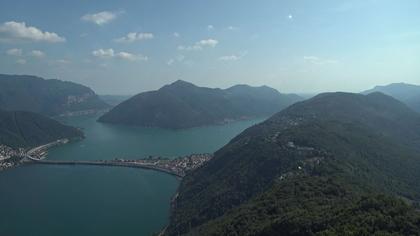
[(22, 156), (218, 123)]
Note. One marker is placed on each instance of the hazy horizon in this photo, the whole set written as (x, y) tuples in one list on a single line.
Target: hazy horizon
[(301, 47)]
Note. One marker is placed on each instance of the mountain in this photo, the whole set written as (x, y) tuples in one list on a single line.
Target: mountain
[(407, 93), (336, 164), (183, 105), (48, 97), (28, 129)]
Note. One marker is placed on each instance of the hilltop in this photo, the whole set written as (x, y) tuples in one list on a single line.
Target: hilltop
[(184, 105), (407, 93)]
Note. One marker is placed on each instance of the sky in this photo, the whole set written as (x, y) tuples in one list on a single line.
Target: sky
[(295, 46)]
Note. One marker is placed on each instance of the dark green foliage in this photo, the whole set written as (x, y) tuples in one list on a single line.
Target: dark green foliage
[(407, 93), (27, 129), (48, 97), (364, 144), (184, 105), (316, 206)]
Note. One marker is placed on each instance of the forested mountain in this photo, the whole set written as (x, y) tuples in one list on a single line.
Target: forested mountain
[(407, 93), (48, 97), (336, 164), (27, 129), (183, 105)]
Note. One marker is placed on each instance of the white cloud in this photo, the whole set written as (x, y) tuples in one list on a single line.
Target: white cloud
[(208, 42), (200, 45), (318, 61), (21, 61), (133, 36), (104, 53), (19, 30), (210, 27), (37, 53), (177, 35), (170, 62), (290, 16), (189, 48), (131, 57), (233, 57), (17, 52), (232, 28), (100, 18), (109, 53)]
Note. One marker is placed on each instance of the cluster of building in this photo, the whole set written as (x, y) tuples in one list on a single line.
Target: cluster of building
[(10, 157), (182, 165), (178, 166)]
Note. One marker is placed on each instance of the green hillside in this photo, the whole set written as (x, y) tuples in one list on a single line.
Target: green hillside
[(27, 129), (307, 170), (48, 97)]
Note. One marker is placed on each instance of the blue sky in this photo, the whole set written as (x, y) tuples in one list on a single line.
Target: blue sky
[(125, 47)]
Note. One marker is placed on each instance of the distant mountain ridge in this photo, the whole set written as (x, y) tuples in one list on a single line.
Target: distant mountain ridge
[(19, 129), (184, 105), (330, 165), (48, 97), (407, 93)]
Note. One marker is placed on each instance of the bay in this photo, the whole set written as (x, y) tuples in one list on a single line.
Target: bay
[(91, 200)]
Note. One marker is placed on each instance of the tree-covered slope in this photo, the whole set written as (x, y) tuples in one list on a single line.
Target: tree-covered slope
[(184, 105), (407, 93), (48, 97), (316, 206), (27, 129), (367, 144)]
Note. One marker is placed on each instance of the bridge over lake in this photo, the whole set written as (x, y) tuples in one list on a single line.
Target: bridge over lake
[(111, 163), (177, 166)]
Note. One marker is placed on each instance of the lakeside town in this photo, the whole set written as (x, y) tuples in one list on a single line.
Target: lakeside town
[(10, 157), (178, 166)]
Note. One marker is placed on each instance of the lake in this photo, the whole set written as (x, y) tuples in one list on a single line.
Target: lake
[(92, 200)]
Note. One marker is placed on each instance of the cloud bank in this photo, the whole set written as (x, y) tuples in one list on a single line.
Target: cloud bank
[(13, 30), (133, 37), (110, 53)]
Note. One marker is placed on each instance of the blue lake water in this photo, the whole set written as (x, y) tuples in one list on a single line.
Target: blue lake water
[(88, 200)]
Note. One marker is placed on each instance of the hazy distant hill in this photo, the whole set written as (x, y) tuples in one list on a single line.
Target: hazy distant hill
[(331, 165), (114, 100), (183, 105), (407, 93), (48, 97), (27, 129)]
